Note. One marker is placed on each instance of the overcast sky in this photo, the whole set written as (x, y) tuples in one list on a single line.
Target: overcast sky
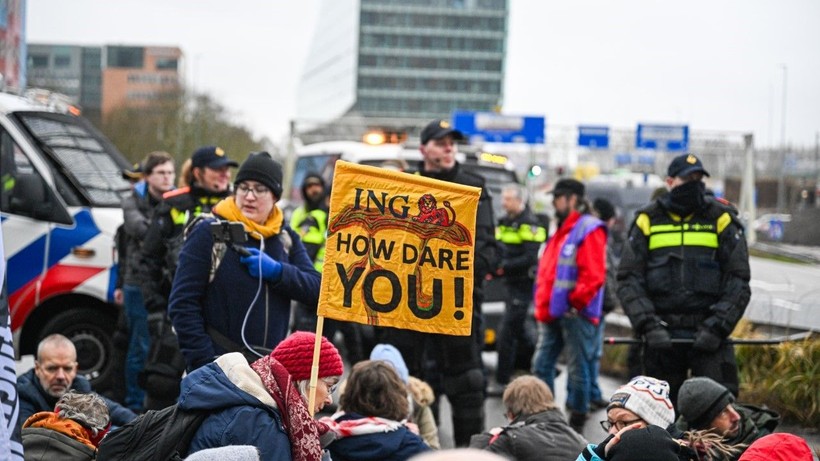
[(714, 64)]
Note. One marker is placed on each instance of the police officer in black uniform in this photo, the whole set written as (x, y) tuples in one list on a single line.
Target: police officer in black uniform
[(684, 273), (520, 235), (456, 360)]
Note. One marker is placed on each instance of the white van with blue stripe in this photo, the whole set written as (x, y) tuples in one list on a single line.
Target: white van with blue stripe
[(60, 193)]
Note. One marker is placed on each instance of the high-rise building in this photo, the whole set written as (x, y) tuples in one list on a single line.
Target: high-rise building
[(102, 79), (416, 59)]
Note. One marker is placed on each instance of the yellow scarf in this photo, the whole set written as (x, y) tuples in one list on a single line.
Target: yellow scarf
[(227, 209)]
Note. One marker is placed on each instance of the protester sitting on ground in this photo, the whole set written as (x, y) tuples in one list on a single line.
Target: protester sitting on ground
[(222, 301), (372, 422), (778, 447), (420, 393), (641, 402), (71, 432), (706, 405), (635, 443), (264, 403), (54, 374), (537, 428)]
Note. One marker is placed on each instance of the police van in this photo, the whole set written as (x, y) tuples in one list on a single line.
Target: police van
[(60, 193)]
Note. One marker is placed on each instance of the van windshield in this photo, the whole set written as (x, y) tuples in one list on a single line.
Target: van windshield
[(81, 155)]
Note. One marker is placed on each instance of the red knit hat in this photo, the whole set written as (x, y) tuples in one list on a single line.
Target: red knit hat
[(295, 353)]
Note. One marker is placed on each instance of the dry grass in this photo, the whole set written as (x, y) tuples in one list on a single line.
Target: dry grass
[(785, 377)]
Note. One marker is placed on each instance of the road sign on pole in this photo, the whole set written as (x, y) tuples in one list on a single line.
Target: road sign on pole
[(492, 127), (670, 138), (593, 137)]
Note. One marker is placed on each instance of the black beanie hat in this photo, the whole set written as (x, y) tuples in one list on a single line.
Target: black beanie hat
[(701, 399), (260, 167), (651, 443)]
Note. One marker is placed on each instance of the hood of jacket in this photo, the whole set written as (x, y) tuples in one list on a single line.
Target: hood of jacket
[(226, 382), (421, 392)]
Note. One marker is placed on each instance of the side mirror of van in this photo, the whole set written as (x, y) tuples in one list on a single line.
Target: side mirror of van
[(30, 197)]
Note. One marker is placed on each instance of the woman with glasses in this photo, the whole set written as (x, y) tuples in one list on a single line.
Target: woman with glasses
[(239, 271)]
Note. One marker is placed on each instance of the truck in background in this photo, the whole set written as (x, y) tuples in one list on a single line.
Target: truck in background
[(60, 193)]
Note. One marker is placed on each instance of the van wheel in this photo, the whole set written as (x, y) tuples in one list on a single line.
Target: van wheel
[(90, 330)]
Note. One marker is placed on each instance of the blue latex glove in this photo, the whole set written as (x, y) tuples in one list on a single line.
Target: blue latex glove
[(259, 262)]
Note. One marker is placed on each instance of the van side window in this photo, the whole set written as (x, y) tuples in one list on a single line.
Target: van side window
[(23, 191)]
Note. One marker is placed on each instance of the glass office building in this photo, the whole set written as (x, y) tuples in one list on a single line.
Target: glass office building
[(419, 59)]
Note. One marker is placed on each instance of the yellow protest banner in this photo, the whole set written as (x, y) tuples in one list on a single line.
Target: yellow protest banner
[(399, 251)]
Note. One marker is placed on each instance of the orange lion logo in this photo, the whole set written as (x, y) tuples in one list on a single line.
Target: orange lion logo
[(430, 213)]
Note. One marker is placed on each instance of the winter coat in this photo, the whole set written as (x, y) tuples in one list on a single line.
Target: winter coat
[(701, 281), (137, 209), (423, 396), (540, 436), (223, 303), (241, 411), (379, 444), (520, 238), (165, 237), (34, 399), (591, 262), (778, 447), (755, 422), (42, 444)]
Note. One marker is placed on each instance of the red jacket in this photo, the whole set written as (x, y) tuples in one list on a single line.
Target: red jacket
[(591, 260)]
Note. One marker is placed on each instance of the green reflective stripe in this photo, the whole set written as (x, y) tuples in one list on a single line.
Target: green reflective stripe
[(665, 228), (564, 283), (8, 182), (532, 233), (179, 217), (320, 260), (702, 239), (540, 235), (524, 233)]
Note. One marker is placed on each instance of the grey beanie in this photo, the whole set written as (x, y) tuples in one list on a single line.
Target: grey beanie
[(227, 453), (701, 399)]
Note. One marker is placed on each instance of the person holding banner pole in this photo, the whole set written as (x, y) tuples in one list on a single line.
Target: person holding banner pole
[(457, 358)]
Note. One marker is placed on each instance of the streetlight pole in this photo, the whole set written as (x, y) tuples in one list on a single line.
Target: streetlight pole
[(781, 182)]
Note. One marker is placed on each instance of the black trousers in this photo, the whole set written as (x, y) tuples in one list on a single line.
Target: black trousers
[(674, 365)]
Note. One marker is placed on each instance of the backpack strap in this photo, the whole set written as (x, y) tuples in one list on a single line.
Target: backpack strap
[(177, 450), (226, 343)]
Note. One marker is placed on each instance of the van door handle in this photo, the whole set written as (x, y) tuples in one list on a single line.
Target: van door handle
[(83, 252)]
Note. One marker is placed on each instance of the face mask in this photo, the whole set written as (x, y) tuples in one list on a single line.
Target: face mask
[(687, 197)]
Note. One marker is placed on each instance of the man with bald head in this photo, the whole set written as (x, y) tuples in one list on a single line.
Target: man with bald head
[(54, 373)]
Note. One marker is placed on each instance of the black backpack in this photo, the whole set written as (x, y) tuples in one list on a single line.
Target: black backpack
[(157, 435)]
